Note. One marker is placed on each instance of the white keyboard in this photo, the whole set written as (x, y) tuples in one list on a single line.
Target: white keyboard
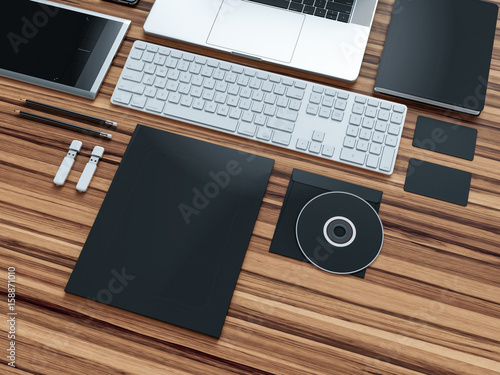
[(291, 113)]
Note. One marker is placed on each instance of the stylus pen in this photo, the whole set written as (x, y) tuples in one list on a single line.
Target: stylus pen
[(50, 108), (61, 124)]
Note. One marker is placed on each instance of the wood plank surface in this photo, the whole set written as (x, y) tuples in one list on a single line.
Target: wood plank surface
[(429, 304)]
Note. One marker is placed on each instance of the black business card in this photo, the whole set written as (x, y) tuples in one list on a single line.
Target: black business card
[(438, 182)]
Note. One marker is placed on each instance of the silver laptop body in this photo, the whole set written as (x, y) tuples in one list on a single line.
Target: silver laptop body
[(262, 32)]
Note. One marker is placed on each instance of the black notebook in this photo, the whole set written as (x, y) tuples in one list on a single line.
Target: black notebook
[(171, 235), (439, 52)]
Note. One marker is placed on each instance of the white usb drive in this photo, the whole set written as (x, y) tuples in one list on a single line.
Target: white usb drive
[(67, 163), (89, 170)]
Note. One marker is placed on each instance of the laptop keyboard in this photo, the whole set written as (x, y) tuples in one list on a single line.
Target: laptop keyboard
[(339, 10), (291, 113)]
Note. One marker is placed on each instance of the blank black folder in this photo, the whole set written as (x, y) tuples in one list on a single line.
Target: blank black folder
[(439, 52), (171, 235)]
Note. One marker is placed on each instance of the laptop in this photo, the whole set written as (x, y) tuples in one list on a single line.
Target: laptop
[(324, 37)]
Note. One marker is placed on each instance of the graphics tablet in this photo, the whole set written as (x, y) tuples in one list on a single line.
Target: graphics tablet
[(58, 46)]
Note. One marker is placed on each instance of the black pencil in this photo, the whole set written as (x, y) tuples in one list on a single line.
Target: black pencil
[(61, 124), (62, 111)]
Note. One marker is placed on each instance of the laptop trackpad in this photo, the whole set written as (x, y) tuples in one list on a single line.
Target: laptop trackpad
[(257, 30)]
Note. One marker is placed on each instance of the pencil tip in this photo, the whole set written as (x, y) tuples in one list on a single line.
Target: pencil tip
[(17, 111)]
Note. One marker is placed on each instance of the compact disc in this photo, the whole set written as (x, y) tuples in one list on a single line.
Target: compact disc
[(339, 232)]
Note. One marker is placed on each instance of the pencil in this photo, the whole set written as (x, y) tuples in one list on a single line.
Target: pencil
[(50, 108), (61, 124)]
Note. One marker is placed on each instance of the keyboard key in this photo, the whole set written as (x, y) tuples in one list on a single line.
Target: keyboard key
[(318, 89), (349, 142), (360, 99), (340, 104), (386, 106), (264, 134), (198, 104), (342, 17), (138, 101), (122, 97), (331, 15), (328, 101), (275, 3), (133, 76), (302, 144), (211, 107), (330, 92), (294, 104), (320, 12), (337, 116), (386, 160), (187, 113), (378, 137), (234, 113), (136, 54), (312, 109), (381, 126), (394, 129), (343, 95), (353, 156), (358, 108), (335, 6), (352, 131), (372, 161), (223, 110), (318, 136), (281, 138), (155, 105), (368, 123), (355, 119), (135, 65), (260, 119), (371, 112), (324, 112), (362, 146), (279, 124), (308, 9), (295, 93), (397, 118), (399, 108), (131, 87), (247, 129), (328, 150), (365, 134), (315, 98), (375, 149), (315, 147), (391, 140), (384, 114), (286, 114)]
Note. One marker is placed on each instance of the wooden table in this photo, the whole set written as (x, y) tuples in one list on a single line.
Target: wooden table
[(429, 304)]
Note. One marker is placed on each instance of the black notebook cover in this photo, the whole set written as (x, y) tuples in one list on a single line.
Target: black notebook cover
[(439, 52), (173, 230), (303, 187)]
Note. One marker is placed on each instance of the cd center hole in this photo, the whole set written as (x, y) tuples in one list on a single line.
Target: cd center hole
[(339, 231)]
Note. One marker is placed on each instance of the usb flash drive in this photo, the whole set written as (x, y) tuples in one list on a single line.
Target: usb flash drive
[(67, 163), (89, 170)]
